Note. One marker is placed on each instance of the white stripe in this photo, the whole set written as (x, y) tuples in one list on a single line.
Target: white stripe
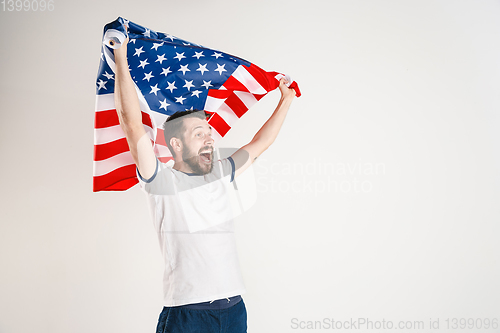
[(158, 118), (107, 134), (113, 133), (248, 99), (162, 151), (213, 104), (106, 166), (286, 76), (105, 102), (242, 75), (227, 114)]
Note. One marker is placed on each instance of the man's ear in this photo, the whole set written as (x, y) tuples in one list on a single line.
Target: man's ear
[(176, 144)]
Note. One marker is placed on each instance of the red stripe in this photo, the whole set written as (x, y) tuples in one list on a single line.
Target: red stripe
[(258, 97), (160, 137), (117, 180), (233, 84), (236, 105), (165, 159), (219, 124), (266, 79), (110, 149), (109, 118), (219, 93)]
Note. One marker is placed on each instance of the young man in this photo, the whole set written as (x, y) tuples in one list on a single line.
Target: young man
[(191, 209)]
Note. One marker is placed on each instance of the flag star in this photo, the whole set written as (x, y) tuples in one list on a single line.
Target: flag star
[(190, 109), (202, 68), (179, 56), (207, 84), (171, 86), (198, 54), (154, 89), (161, 58), (166, 71), (139, 51), (102, 84), (171, 37), (146, 33), (217, 55), (179, 99), (188, 85), (148, 76), (132, 40), (143, 64), (220, 69), (184, 69), (164, 104), (125, 22), (108, 76), (186, 43), (101, 56), (196, 93), (156, 45)]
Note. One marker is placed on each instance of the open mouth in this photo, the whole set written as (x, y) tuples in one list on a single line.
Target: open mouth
[(206, 157)]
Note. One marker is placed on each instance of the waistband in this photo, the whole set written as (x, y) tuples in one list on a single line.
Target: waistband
[(218, 304)]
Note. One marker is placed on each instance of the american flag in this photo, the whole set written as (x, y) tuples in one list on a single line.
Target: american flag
[(170, 75)]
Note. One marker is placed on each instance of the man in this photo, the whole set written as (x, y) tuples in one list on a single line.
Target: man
[(191, 210)]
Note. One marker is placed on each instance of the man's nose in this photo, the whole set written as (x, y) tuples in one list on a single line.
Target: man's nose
[(209, 140)]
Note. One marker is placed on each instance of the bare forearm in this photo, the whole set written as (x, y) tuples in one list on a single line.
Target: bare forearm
[(269, 131), (126, 101)]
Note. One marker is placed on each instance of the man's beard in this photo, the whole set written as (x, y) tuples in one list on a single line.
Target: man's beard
[(200, 165)]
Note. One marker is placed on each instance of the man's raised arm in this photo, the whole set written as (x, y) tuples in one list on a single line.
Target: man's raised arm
[(247, 154), (130, 116)]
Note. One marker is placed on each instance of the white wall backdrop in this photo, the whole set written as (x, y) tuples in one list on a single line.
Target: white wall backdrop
[(378, 201)]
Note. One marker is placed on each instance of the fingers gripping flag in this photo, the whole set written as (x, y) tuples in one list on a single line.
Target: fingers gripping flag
[(170, 75)]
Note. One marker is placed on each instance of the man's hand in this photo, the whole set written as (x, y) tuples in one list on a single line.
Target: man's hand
[(286, 93), (122, 50)]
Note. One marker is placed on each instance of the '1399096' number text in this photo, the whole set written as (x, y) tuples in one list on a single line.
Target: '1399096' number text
[(27, 5)]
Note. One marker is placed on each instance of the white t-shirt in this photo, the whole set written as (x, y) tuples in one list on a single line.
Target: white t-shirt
[(192, 216)]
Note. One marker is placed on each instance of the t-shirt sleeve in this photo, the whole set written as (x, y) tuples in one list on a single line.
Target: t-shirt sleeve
[(228, 168), (160, 183), (143, 180)]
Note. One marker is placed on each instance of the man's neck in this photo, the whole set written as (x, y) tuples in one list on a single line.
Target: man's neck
[(183, 167)]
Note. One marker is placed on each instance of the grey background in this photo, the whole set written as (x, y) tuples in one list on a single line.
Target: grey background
[(406, 89)]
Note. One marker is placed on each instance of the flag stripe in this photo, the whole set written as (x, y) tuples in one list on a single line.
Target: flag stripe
[(233, 84), (226, 113), (219, 124), (248, 80), (108, 150), (109, 118), (247, 98), (238, 107), (117, 180), (105, 102), (212, 104), (113, 133), (115, 162), (265, 79), (221, 94)]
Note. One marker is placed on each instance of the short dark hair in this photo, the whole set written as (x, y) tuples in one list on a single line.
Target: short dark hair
[(173, 127)]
